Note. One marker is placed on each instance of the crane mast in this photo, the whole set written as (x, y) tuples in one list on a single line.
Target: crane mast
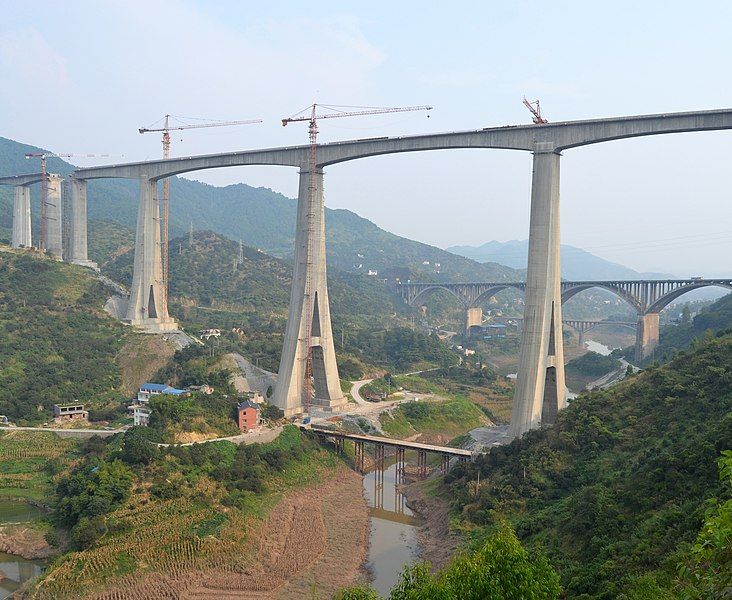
[(535, 109), (310, 114), (165, 204)]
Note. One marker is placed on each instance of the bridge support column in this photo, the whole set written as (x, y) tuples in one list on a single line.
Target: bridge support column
[(53, 216), (21, 217), (646, 336), (474, 318), (309, 317), (540, 390), (422, 463), (78, 241), (358, 455), (148, 307)]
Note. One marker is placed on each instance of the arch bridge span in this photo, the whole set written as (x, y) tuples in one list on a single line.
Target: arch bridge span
[(647, 297)]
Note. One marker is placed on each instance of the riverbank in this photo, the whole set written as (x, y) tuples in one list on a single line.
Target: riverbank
[(437, 541), (26, 541)]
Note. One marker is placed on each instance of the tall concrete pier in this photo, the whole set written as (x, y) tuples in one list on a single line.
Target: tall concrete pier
[(309, 318), (540, 391), (474, 318), (148, 304), (54, 216), (77, 244), (21, 217)]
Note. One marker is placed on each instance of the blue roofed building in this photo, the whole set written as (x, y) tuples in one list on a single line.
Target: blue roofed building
[(140, 409)]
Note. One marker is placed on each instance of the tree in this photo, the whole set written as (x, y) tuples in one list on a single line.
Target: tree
[(709, 567), (87, 531), (499, 568), (685, 315), (137, 447)]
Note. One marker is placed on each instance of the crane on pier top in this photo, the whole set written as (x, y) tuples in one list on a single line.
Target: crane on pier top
[(311, 115), (535, 109), (165, 129), (44, 156)]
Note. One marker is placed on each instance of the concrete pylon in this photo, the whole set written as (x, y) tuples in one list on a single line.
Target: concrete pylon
[(148, 308), (540, 390), (53, 217), (77, 251), (646, 335), (309, 258), (474, 318), (21, 217)]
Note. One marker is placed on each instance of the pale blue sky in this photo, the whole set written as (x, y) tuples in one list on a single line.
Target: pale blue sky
[(82, 76)]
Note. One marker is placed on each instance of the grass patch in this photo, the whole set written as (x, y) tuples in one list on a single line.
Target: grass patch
[(450, 418)]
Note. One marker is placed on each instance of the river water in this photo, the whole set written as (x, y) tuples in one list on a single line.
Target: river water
[(16, 569), (393, 540)]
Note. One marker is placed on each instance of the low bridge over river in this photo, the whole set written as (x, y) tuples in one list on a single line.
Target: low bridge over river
[(400, 446), (648, 297)]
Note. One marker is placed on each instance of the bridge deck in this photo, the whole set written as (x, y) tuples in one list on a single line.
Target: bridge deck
[(374, 439)]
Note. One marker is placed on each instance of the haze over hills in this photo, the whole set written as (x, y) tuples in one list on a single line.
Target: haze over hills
[(261, 218), (577, 264)]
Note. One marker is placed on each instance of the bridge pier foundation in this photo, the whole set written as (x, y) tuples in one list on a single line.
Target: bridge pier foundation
[(148, 305), (647, 336), (358, 455), (21, 217), (309, 317), (474, 318), (77, 251), (422, 463), (540, 390), (53, 216)]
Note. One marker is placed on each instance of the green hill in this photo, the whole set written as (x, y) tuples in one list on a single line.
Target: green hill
[(261, 218), (616, 491), (711, 319), (56, 344)]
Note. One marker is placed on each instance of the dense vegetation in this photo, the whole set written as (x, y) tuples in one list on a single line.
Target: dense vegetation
[(497, 568), (675, 337), (616, 490), (57, 346)]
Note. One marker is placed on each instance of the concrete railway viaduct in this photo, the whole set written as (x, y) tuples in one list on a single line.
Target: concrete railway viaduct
[(647, 297), (540, 385)]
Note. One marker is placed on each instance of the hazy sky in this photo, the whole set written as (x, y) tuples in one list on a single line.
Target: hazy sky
[(83, 76)]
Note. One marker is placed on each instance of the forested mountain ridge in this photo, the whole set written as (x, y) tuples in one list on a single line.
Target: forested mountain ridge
[(615, 492), (261, 218)]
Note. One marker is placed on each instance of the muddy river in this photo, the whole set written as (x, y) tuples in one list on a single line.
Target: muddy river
[(393, 539)]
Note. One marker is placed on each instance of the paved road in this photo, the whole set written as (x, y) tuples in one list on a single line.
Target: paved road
[(356, 391), (255, 437), (69, 432)]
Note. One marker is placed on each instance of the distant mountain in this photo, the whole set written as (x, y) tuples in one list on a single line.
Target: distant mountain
[(577, 264), (261, 218)]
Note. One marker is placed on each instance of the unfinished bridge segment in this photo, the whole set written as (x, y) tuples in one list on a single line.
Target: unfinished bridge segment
[(540, 384)]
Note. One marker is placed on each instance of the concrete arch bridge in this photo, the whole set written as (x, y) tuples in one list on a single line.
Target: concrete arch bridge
[(647, 297)]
